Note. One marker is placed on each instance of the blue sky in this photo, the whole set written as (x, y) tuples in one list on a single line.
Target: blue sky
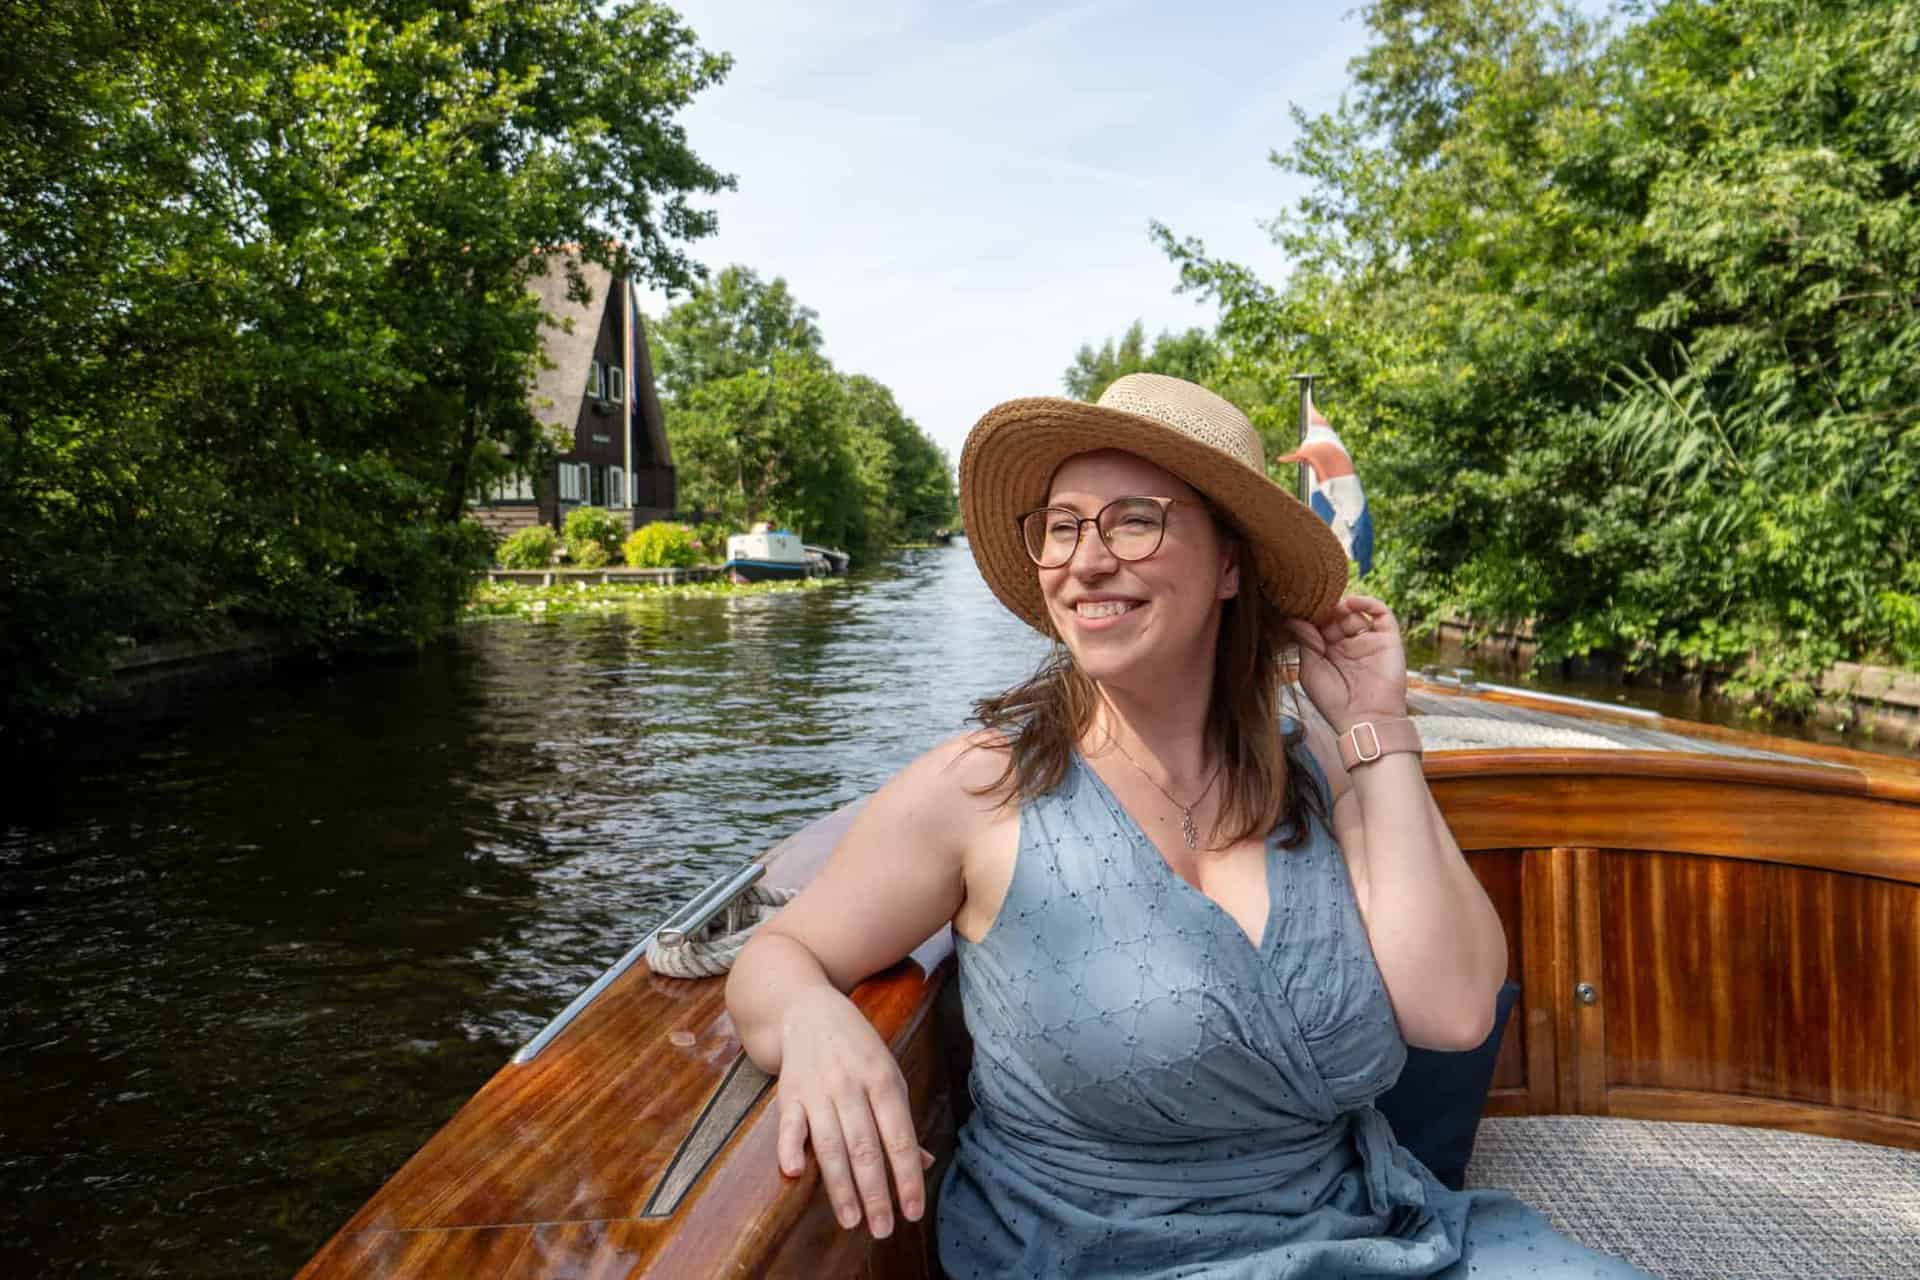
[(962, 190)]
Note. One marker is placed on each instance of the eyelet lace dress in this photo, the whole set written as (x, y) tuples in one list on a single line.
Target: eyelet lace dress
[(1157, 1096)]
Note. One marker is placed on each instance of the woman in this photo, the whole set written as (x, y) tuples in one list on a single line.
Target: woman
[(1194, 936)]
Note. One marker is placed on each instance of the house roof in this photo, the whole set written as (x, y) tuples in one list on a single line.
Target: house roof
[(646, 396), (557, 392)]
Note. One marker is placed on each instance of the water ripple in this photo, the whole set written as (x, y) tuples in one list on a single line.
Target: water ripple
[(254, 960)]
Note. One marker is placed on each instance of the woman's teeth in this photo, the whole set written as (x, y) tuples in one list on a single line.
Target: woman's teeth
[(1104, 608)]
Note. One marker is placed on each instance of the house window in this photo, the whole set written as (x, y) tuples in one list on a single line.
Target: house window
[(512, 489), (596, 382), (616, 488), (573, 481), (616, 383)]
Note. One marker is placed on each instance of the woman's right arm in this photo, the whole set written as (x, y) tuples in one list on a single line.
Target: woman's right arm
[(891, 882)]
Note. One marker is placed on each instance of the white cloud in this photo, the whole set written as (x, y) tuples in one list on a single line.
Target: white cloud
[(963, 193)]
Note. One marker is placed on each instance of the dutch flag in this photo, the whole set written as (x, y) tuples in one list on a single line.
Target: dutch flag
[(1333, 488)]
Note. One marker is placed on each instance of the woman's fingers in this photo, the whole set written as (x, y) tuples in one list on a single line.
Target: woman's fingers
[(839, 1162), (836, 1175), (1368, 614), (792, 1143), (902, 1146), (867, 1156), (1352, 617)]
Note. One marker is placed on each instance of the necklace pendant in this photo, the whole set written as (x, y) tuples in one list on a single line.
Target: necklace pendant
[(1188, 830)]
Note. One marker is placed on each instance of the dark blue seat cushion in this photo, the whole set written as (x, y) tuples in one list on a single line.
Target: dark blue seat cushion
[(1435, 1106)]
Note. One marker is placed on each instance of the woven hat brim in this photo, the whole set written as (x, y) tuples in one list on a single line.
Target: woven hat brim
[(1012, 452)]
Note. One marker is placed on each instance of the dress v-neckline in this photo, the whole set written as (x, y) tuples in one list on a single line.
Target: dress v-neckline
[(1159, 859)]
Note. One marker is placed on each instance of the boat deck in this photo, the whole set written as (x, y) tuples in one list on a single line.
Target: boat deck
[(1688, 1201), (1464, 722)]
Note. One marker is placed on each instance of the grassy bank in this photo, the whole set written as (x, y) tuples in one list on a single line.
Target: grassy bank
[(519, 600)]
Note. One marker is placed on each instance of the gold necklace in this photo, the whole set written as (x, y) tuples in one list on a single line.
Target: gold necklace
[(1187, 829)]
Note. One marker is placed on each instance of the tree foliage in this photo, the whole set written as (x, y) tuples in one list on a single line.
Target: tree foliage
[(1622, 330), (735, 324), (263, 271), (764, 428), (1193, 355)]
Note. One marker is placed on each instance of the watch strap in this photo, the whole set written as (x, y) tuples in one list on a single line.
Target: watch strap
[(1368, 740)]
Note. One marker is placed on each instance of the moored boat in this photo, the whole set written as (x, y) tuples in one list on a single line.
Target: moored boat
[(1708, 926), (765, 554)]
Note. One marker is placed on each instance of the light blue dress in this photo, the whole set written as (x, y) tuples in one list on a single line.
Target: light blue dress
[(1155, 1096)]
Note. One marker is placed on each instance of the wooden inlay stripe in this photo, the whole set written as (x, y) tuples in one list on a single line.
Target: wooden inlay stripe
[(729, 1105)]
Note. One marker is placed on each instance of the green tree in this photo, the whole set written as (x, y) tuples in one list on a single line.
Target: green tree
[(1193, 355), (765, 428), (268, 261), (1620, 331), (732, 325), (914, 494), (772, 445)]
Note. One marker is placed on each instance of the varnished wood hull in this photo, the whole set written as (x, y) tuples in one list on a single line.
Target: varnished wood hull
[(1749, 945), (1697, 937)]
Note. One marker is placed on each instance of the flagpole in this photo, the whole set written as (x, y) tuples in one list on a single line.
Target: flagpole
[(1306, 402)]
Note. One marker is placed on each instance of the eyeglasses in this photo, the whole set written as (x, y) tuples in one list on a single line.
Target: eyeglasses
[(1131, 528)]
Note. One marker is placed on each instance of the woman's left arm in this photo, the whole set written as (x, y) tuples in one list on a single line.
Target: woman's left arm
[(1438, 941)]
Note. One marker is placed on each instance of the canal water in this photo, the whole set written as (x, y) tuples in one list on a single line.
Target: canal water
[(250, 959)]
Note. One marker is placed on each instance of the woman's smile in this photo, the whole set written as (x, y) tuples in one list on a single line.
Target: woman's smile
[(1101, 613)]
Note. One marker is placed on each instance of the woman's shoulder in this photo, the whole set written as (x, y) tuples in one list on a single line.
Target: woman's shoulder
[(968, 752), (957, 778)]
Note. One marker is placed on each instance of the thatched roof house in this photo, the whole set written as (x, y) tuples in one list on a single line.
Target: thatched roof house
[(597, 389)]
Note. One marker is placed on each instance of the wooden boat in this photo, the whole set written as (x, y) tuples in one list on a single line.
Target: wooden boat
[(1707, 925)]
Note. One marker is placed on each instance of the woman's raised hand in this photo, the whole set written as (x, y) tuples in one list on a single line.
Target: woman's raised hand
[(841, 1091), (1353, 662)]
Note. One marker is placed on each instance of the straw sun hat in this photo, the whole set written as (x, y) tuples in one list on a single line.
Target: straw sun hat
[(1013, 451)]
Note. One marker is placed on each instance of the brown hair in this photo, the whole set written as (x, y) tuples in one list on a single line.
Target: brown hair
[(1044, 716)]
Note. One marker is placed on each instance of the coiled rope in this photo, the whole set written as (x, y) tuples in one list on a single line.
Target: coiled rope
[(712, 951)]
